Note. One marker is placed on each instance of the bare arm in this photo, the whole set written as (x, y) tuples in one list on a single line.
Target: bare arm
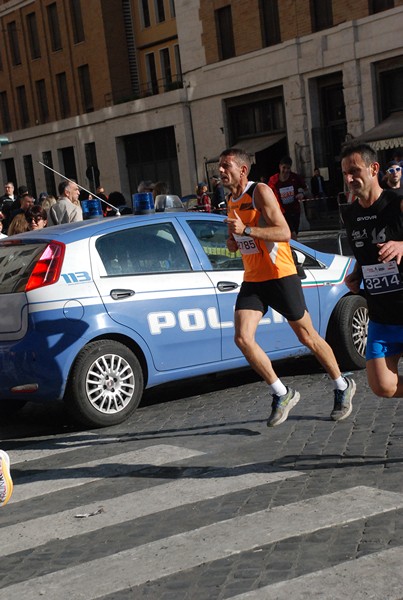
[(391, 250), (275, 229), (353, 281), (232, 245)]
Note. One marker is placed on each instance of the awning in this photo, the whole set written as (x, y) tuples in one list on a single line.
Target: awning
[(385, 135), (250, 145), (257, 144), (253, 145)]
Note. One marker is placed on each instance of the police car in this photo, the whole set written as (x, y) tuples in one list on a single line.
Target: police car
[(95, 312)]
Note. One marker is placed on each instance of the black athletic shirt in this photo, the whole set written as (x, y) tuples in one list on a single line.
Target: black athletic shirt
[(383, 282)]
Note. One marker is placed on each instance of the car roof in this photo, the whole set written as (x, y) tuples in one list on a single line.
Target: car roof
[(71, 232)]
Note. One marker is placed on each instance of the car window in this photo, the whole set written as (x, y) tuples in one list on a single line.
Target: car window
[(303, 259), (212, 236), (147, 249), (17, 261)]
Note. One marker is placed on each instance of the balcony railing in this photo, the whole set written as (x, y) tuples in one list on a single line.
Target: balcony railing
[(149, 88)]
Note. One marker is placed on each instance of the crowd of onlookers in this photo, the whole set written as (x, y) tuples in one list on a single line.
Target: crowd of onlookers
[(21, 212)]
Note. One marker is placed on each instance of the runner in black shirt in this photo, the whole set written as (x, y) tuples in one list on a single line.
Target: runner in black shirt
[(374, 224)]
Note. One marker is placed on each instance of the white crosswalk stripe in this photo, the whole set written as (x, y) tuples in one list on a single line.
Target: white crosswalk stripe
[(68, 477), (130, 506), (358, 579), (54, 446), (170, 556)]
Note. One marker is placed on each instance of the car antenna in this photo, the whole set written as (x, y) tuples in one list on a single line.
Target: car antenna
[(82, 188)]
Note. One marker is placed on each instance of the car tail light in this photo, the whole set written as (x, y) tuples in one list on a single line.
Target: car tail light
[(48, 267)]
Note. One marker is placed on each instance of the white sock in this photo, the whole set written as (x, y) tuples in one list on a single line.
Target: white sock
[(340, 383), (278, 388)]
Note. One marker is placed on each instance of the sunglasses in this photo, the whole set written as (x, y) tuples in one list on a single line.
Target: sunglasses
[(394, 170), (36, 219)]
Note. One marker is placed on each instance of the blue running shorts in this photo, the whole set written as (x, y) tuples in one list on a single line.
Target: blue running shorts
[(384, 340)]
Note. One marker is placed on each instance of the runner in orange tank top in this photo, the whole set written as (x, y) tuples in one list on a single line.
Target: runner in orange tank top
[(262, 259), (258, 229)]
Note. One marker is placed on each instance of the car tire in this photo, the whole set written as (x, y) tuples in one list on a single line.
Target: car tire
[(347, 332), (105, 385)]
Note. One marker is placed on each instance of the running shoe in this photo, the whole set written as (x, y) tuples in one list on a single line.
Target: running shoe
[(6, 483), (281, 406), (343, 404)]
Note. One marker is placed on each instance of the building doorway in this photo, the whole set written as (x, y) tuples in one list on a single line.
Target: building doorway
[(151, 155), (329, 132)]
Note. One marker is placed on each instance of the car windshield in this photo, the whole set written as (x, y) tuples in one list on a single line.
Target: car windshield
[(17, 261)]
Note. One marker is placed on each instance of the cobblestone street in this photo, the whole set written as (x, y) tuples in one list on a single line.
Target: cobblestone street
[(195, 498)]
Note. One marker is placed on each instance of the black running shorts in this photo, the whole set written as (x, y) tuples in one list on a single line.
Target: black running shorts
[(284, 295)]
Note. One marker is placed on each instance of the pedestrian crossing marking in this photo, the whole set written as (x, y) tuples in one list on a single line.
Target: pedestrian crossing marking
[(188, 550), (53, 446), (53, 480), (42, 530), (377, 576)]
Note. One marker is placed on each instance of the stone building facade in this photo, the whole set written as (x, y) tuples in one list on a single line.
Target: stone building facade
[(116, 92)]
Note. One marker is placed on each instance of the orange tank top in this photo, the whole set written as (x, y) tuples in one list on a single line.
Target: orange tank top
[(262, 260)]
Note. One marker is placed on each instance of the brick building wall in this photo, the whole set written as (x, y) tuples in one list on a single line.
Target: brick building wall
[(347, 53), (67, 59), (294, 18)]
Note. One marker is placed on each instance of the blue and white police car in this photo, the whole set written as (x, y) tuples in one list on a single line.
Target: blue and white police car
[(95, 312)]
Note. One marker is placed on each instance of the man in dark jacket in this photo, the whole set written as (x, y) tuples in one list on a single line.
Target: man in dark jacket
[(218, 196)]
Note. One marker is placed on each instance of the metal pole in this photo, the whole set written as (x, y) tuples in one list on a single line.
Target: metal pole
[(81, 187)]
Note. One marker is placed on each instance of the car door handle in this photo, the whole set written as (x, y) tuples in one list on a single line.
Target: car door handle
[(226, 286), (119, 294)]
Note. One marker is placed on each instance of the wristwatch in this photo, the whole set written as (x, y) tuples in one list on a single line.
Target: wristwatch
[(247, 231)]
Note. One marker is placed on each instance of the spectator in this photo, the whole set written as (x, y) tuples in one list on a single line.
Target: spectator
[(42, 197), (6, 203), (19, 224), (118, 200), (398, 158), (8, 192), (2, 235), (67, 208), (36, 217), (218, 198), (145, 186), (22, 191), (290, 189), (160, 187), (203, 199), (393, 177), (104, 199), (318, 189), (26, 201), (47, 202), (101, 190)]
